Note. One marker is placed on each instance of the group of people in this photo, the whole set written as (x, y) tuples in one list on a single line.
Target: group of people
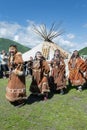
[(47, 76)]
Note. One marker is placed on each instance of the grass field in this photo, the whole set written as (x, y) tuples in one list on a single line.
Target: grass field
[(59, 112)]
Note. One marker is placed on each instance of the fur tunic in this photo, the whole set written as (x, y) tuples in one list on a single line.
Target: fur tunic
[(76, 69), (40, 70), (16, 89), (58, 73), (86, 70)]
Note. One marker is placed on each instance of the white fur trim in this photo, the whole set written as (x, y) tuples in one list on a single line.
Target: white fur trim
[(22, 90), (18, 72)]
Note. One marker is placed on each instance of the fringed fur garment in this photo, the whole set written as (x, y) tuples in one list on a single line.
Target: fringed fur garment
[(58, 73), (77, 68), (40, 70), (16, 88)]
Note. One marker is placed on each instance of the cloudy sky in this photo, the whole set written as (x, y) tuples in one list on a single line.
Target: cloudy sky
[(17, 16)]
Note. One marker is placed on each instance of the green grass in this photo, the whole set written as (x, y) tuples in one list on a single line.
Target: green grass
[(60, 112)]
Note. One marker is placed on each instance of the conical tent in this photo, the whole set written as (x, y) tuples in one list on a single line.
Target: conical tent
[(47, 47)]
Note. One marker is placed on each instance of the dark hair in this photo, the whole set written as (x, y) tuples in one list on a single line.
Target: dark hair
[(73, 55), (36, 54), (58, 51), (42, 57), (13, 45)]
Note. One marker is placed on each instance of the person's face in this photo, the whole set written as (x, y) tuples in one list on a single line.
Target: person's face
[(38, 56), (12, 50), (57, 53), (75, 53)]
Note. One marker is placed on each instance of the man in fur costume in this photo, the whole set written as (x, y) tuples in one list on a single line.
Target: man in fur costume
[(58, 78), (77, 68), (16, 89), (40, 70)]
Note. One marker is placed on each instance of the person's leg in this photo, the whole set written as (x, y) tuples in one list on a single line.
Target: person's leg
[(79, 88), (45, 96), (61, 91)]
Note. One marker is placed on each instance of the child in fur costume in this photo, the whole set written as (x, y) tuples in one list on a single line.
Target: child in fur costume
[(40, 70), (16, 89)]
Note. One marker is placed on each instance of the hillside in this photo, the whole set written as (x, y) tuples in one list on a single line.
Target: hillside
[(83, 51), (5, 43)]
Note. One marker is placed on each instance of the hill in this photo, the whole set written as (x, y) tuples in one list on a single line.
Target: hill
[(83, 51), (5, 43)]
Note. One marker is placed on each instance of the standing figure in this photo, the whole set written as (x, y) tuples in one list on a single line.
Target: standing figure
[(77, 68), (4, 66), (40, 70), (85, 74), (16, 88), (58, 77)]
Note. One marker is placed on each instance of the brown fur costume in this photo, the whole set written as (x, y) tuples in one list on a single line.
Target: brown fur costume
[(40, 70), (58, 73), (76, 69), (86, 70), (16, 90)]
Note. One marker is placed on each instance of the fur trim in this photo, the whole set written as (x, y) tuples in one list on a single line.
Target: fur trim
[(12, 99), (45, 74), (22, 90), (18, 72), (18, 53)]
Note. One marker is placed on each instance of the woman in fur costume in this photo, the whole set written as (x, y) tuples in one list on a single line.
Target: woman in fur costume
[(16, 89), (40, 70), (58, 78), (77, 68), (85, 74)]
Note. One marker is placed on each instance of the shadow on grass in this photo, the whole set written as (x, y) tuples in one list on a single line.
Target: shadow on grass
[(19, 103), (32, 98), (37, 98), (85, 86)]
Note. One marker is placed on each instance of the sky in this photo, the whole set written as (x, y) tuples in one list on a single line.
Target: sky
[(17, 17)]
